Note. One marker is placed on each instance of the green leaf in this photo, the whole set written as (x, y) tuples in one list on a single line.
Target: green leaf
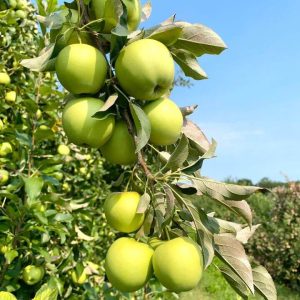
[(170, 203), (263, 283), (199, 39), (10, 256), (235, 282), (179, 156), (46, 292), (24, 139), (188, 63), (166, 34), (146, 227), (33, 188), (111, 100), (144, 203), (232, 253), (142, 125), (61, 217), (39, 63)]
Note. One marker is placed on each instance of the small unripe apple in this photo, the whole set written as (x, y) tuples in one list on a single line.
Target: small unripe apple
[(11, 96), (120, 211), (79, 126), (166, 121), (4, 78), (120, 148), (78, 279), (4, 176), (81, 69), (66, 187), (21, 14), (38, 114), (128, 264), (145, 69), (22, 4), (33, 274), (12, 3), (1, 125), (178, 264), (7, 296), (63, 150), (5, 149), (105, 9)]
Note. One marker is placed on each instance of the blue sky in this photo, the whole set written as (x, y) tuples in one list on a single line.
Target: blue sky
[(251, 102)]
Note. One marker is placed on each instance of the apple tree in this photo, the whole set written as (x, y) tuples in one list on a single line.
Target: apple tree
[(120, 79)]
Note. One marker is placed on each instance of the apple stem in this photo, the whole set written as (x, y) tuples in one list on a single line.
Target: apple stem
[(141, 159)]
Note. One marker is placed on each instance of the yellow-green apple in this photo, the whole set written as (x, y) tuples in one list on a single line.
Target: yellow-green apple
[(81, 69), (7, 296), (11, 96), (5, 149), (68, 34), (63, 149), (120, 148), (4, 78), (128, 264), (38, 114), (4, 175), (145, 69), (78, 279), (155, 242), (21, 14), (22, 4), (79, 126), (12, 3), (33, 274), (105, 9), (166, 121), (120, 211), (1, 125), (178, 264)]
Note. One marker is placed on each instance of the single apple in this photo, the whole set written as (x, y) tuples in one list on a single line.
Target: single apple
[(21, 14), (145, 69), (81, 69), (128, 264), (105, 9), (11, 96), (166, 121), (120, 148), (12, 3), (4, 176), (68, 34), (178, 264), (120, 211), (79, 126), (1, 125), (63, 150), (33, 274), (4, 78), (7, 296), (5, 149)]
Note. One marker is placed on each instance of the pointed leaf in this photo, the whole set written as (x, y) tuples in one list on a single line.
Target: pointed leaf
[(82, 236), (146, 11), (144, 203), (111, 100), (199, 39), (264, 284), (46, 292), (39, 63), (142, 125), (188, 64), (180, 154), (246, 233), (232, 253), (235, 282), (33, 187)]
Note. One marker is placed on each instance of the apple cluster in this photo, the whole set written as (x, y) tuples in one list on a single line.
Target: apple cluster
[(16, 10), (129, 264)]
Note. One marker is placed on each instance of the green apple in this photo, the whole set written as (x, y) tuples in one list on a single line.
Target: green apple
[(145, 69), (33, 274), (78, 279), (1, 125), (120, 211), (128, 264), (21, 14), (11, 96), (178, 264), (120, 148), (105, 9), (4, 176), (79, 126), (66, 187), (166, 121), (155, 242), (4, 78), (81, 69), (63, 150), (5, 149), (67, 34), (7, 296), (22, 4), (12, 3), (38, 114)]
